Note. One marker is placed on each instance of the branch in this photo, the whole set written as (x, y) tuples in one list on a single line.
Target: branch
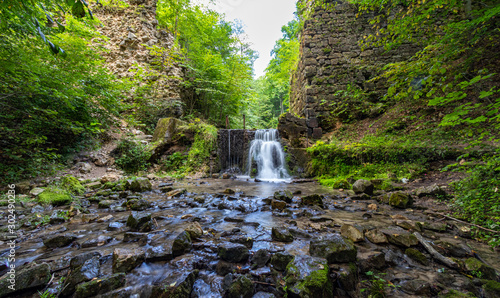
[(448, 262), (464, 222)]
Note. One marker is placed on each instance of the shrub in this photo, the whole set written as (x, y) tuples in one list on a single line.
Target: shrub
[(132, 156)]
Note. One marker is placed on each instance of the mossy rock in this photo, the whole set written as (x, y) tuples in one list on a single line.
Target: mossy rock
[(491, 289), (307, 276), (400, 200), (55, 196), (335, 248), (342, 183), (100, 285), (242, 287), (480, 269), (71, 184), (417, 256), (456, 294), (28, 277)]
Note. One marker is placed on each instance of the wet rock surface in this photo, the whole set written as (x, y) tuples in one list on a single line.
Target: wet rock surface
[(321, 244)]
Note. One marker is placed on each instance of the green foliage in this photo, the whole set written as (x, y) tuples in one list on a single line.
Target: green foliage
[(55, 196), (132, 156), (175, 161), (377, 286), (477, 197)]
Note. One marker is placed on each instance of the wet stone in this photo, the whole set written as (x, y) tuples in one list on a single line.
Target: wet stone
[(78, 274), (260, 258), (351, 232), (142, 238), (28, 277), (233, 252), (175, 285), (159, 253), (140, 221), (283, 195), (194, 230), (245, 240), (124, 260), (57, 217), (138, 204), (307, 276), (234, 219), (176, 193), (416, 287), (223, 268), (96, 242), (312, 200), (100, 286), (409, 225), (115, 226), (181, 244), (280, 260), (371, 261), (417, 256), (242, 287), (104, 204), (281, 234), (139, 184), (363, 186), (376, 237), (335, 248), (263, 295), (59, 240), (400, 200), (400, 237), (278, 205)]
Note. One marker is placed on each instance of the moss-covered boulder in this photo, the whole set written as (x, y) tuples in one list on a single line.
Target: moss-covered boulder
[(175, 285), (417, 256), (31, 276), (181, 244), (81, 272), (312, 200), (400, 200), (491, 289), (71, 184), (100, 286), (281, 234), (140, 221), (335, 249), (55, 196), (307, 276), (242, 287), (400, 237), (479, 269), (139, 184), (283, 195), (280, 260), (363, 186)]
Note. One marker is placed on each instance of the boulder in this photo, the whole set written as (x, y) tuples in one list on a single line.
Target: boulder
[(175, 285), (312, 200), (480, 269), (260, 258), (280, 260), (83, 167), (138, 204), (371, 261), (417, 256), (100, 286), (283, 195), (105, 204), (140, 221), (124, 260), (242, 287), (59, 240), (335, 249), (281, 234), (307, 276), (400, 200), (233, 252), (72, 185), (376, 237), (400, 237), (352, 233), (430, 191), (140, 184), (181, 244), (278, 205), (28, 277), (81, 272), (363, 186), (491, 289), (194, 230)]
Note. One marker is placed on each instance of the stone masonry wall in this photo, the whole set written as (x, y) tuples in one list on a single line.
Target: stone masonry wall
[(331, 59)]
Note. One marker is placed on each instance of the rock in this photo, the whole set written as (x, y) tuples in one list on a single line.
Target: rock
[(260, 258), (416, 287), (283, 195), (335, 248), (140, 184), (435, 226), (400, 200), (223, 268), (194, 230), (100, 286), (140, 221), (307, 276), (263, 295), (59, 240), (247, 241), (352, 233), (363, 186), (181, 244), (312, 200), (479, 269), (451, 249), (93, 185), (27, 277), (409, 225), (491, 289), (226, 176), (124, 260), (55, 196), (417, 256), (96, 242), (105, 218), (176, 193), (23, 187), (58, 217), (280, 260), (72, 185), (138, 204), (159, 253), (115, 226), (279, 205), (81, 273), (36, 191), (371, 261), (281, 234), (142, 238), (175, 285), (105, 204), (83, 167), (89, 217), (110, 177), (376, 237), (229, 191), (400, 237), (242, 287), (431, 191), (347, 277), (233, 252)]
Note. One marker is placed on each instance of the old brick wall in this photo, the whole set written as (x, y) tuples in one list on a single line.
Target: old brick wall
[(331, 59)]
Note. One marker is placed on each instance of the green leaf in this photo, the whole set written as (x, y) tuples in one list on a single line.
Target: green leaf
[(78, 10)]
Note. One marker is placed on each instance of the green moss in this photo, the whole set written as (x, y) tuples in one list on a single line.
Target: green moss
[(456, 294), (417, 256), (55, 196), (492, 288), (71, 184)]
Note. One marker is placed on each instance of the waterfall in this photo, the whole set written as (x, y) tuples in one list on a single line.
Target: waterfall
[(266, 150)]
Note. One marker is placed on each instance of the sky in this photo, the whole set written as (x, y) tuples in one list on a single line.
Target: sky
[(262, 21)]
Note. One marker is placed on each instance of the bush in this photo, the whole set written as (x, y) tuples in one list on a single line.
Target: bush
[(132, 156)]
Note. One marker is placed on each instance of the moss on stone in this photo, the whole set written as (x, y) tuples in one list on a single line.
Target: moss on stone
[(71, 184), (54, 196), (417, 256), (492, 289), (456, 294)]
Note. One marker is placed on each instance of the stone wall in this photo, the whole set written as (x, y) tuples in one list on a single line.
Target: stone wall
[(331, 59), (233, 145)]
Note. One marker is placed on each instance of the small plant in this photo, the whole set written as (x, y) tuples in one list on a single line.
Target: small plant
[(132, 156), (477, 273), (46, 294), (377, 286)]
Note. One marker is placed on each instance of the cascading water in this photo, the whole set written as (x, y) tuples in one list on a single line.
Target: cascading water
[(266, 150)]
